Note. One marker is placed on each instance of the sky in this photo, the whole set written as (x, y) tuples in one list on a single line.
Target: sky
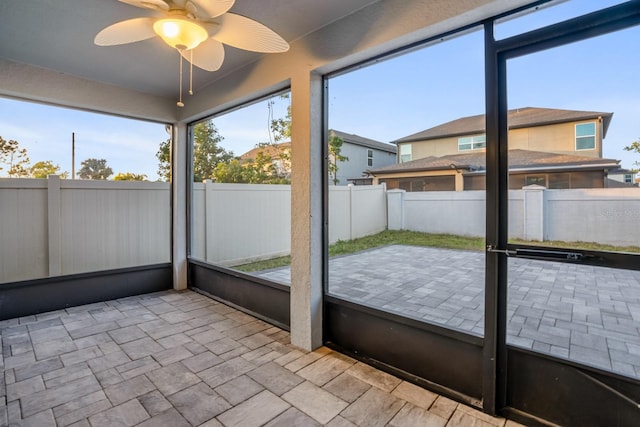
[(386, 101), (46, 132), (244, 128), (445, 81)]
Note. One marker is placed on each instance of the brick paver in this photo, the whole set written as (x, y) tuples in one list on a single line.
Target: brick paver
[(578, 312), (193, 361)]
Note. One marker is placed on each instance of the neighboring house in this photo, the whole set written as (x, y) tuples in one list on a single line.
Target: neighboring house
[(621, 178), (550, 147), (364, 154), (467, 171), (280, 155)]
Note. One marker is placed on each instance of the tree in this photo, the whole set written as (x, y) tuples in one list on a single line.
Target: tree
[(45, 168), (164, 158), (281, 131), (14, 158), (634, 146), (130, 176), (261, 170), (280, 128), (207, 152), (231, 172), (335, 147), (94, 169)]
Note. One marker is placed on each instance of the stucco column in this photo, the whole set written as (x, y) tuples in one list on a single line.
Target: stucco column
[(306, 210), (459, 181), (180, 186)]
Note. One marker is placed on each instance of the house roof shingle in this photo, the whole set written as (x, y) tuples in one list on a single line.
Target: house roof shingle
[(273, 149), (267, 149), (518, 118), (518, 159), (365, 142)]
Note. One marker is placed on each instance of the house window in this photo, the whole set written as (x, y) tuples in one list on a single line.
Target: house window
[(558, 181), (627, 178), (594, 179), (369, 158), (474, 182), (586, 136), (535, 180), (472, 142), (405, 153)]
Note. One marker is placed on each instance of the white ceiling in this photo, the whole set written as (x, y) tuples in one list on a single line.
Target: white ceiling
[(58, 35)]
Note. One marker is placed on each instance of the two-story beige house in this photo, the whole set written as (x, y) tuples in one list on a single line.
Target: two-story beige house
[(550, 147)]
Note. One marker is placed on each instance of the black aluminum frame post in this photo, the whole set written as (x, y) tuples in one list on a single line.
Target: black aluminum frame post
[(494, 352)]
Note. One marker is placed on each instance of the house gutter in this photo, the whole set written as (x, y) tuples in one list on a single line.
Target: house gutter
[(452, 167), (552, 168)]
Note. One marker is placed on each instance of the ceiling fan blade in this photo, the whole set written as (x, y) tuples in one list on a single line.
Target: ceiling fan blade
[(208, 55), (205, 9), (148, 4), (245, 33), (129, 31)]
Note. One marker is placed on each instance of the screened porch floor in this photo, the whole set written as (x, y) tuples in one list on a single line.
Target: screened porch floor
[(183, 359)]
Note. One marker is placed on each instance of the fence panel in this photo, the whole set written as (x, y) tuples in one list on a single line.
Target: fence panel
[(247, 222), (23, 229), (516, 214), (107, 225), (339, 213), (445, 212), (609, 216), (58, 227), (368, 210), (198, 234)]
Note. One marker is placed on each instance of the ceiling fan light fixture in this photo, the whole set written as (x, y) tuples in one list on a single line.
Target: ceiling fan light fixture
[(180, 33), (186, 25)]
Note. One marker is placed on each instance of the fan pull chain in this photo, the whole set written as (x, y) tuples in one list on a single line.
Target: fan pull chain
[(191, 73), (180, 103)]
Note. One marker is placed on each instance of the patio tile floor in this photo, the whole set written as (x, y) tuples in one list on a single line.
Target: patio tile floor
[(578, 312), (183, 359)]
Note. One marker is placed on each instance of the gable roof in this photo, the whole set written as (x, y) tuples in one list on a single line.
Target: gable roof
[(621, 171), (365, 142), (518, 118), (275, 149), (518, 160)]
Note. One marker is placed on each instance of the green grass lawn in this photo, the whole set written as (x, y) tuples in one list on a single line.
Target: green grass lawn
[(387, 237), (415, 238)]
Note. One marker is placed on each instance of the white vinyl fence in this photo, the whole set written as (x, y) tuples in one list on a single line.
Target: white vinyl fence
[(240, 223), (51, 227), (607, 216), (237, 222), (356, 211)]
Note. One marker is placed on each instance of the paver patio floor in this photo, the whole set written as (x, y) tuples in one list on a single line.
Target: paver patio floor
[(182, 359), (578, 312)]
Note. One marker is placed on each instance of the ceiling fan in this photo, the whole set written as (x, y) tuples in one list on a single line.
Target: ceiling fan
[(196, 28)]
